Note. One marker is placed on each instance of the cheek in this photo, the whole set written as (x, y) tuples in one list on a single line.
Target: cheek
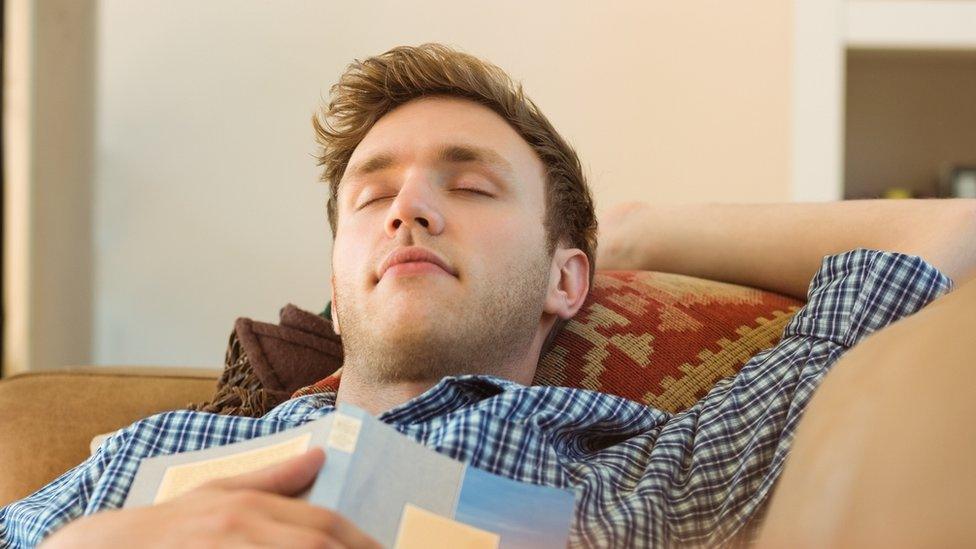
[(350, 256), (510, 245)]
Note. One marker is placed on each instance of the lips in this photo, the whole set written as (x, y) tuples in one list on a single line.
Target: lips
[(412, 254)]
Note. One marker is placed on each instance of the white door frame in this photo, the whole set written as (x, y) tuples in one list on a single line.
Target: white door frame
[(817, 161)]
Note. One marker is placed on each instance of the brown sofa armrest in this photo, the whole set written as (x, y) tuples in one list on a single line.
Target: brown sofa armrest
[(49, 418)]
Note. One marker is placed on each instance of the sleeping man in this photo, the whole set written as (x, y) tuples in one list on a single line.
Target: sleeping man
[(464, 237)]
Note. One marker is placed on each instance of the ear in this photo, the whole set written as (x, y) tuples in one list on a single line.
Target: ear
[(334, 310), (569, 282)]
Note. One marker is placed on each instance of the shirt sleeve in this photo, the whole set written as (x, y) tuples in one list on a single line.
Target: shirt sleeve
[(723, 455), (26, 522), (859, 292), (102, 481)]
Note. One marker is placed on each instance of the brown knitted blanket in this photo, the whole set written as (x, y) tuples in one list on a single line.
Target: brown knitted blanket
[(265, 363)]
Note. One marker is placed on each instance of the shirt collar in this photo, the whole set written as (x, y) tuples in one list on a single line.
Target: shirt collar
[(449, 395)]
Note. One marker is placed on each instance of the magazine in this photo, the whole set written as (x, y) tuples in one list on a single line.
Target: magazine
[(396, 490)]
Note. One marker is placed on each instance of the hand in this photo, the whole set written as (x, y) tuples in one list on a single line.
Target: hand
[(249, 510)]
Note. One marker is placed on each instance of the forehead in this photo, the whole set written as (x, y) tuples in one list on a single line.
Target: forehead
[(423, 129)]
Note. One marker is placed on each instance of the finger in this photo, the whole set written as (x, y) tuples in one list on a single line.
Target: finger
[(268, 533), (286, 478), (347, 533), (307, 515)]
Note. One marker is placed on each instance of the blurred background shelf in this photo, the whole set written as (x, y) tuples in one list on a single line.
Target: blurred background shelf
[(909, 95)]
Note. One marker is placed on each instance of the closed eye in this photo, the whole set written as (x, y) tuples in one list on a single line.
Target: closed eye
[(462, 189), (370, 201), (475, 191)]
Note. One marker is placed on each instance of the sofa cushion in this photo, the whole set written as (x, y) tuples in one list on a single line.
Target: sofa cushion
[(663, 339), (49, 418)]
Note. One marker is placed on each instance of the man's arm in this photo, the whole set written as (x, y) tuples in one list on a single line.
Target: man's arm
[(779, 247), (883, 455), (83, 507)]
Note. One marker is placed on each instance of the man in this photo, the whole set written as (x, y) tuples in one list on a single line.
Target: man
[(464, 236)]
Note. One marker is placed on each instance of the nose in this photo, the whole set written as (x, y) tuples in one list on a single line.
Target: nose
[(414, 206)]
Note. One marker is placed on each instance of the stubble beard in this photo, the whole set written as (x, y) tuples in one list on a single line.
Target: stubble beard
[(483, 335)]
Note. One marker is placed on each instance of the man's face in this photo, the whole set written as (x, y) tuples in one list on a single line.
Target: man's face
[(451, 177)]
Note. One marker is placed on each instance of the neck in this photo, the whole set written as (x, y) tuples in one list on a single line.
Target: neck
[(377, 398)]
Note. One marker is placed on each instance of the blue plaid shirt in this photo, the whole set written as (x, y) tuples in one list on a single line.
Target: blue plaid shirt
[(642, 477)]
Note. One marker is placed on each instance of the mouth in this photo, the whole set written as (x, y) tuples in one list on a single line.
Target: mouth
[(414, 261), (414, 268)]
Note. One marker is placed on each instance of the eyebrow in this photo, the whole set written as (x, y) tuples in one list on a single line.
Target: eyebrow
[(456, 154)]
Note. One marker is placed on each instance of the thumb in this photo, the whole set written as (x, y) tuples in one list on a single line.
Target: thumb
[(287, 478)]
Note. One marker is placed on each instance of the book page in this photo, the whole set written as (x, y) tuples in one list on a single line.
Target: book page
[(179, 479), (421, 529)]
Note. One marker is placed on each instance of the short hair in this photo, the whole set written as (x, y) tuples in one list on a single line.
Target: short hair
[(371, 88)]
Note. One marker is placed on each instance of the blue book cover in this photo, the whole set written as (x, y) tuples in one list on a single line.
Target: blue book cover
[(396, 490)]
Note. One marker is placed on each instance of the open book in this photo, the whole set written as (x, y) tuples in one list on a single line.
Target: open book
[(396, 490)]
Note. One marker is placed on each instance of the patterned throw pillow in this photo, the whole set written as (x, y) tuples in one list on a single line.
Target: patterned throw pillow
[(657, 338)]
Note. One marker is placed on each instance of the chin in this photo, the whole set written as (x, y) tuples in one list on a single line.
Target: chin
[(410, 337), (412, 315)]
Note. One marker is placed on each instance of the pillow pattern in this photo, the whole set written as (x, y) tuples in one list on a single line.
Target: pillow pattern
[(658, 338)]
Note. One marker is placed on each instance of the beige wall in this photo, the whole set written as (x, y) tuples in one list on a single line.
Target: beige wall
[(205, 200)]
